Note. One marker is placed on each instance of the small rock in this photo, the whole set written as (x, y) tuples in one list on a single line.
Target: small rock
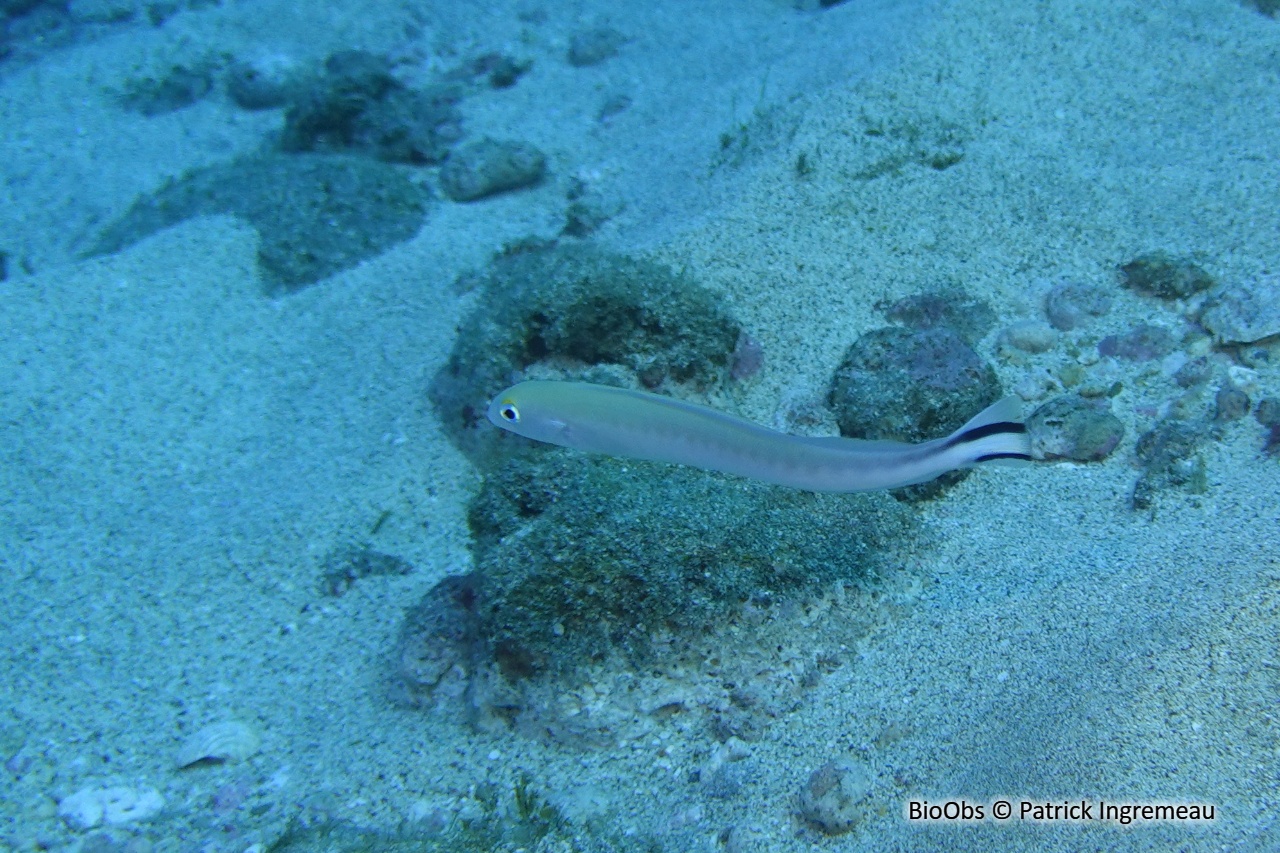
[(1145, 342), (967, 316), (747, 358), (1169, 457), (1239, 314), (218, 743), (115, 806), (1030, 336), (1072, 427), (1070, 305), (261, 84), (438, 641), (490, 166), (1193, 372), (1166, 276), (1268, 413), (832, 799), (1230, 403), (357, 104), (595, 46)]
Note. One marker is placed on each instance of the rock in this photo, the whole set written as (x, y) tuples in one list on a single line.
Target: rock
[(218, 743), (594, 46), (1072, 427), (1144, 342), (439, 641), (910, 386), (356, 104), (1030, 336), (489, 167), (262, 84), (1244, 314), (1268, 414), (832, 799), (317, 215), (747, 359), (574, 304), (1193, 372), (1169, 456), (1230, 403), (1166, 276), (1070, 305), (969, 317), (114, 806)]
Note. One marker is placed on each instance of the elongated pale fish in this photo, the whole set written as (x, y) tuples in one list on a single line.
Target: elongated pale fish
[(636, 425)]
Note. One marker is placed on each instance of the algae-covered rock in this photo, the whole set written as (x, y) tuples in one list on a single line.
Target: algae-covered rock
[(1071, 427), (1165, 275), (575, 308), (1170, 457), (953, 308), (906, 385), (910, 386), (1244, 313), (578, 556), (316, 215), (834, 797), (489, 167), (1070, 305), (357, 105)]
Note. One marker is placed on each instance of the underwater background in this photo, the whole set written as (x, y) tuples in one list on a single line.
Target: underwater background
[(272, 582)]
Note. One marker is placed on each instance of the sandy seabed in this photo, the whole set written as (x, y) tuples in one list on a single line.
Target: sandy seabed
[(181, 452)]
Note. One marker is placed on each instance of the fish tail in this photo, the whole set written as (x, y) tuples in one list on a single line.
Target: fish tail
[(996, 434)]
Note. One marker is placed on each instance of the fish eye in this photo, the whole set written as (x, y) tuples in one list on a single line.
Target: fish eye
[(509, 413)]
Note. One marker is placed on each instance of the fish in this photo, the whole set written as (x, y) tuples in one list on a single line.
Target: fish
[(639, 425)]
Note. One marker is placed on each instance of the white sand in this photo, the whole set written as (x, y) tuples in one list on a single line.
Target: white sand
[(180, 452)]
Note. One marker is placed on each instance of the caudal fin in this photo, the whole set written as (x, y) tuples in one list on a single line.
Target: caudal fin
[(995, 434)]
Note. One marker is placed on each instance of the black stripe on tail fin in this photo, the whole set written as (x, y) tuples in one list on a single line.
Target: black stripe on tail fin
[(1000, 426), (996, 457)]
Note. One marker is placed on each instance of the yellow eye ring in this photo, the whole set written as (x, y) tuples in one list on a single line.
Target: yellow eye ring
[(509, 413)]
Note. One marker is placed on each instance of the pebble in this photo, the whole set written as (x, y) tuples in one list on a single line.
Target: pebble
[(591, 47), (1070, 304), (1030, 336), (489, 167), (1165, 276), (1230, 404), (219, 743), (1244, 314), (261, 83), (832, 798), (1144, 342), (114, 806), (1070, 427)]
